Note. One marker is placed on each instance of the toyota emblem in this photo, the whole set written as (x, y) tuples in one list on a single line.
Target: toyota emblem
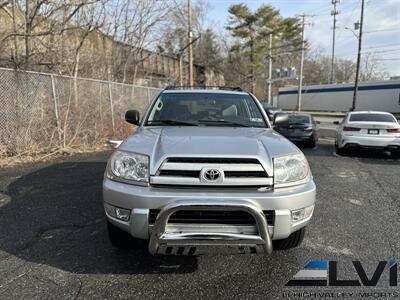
[(211, 175)]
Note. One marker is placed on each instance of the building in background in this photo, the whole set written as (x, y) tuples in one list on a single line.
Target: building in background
[(377, 95)]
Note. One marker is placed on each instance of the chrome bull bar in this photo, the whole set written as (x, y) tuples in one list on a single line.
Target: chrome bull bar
[(160, 239)]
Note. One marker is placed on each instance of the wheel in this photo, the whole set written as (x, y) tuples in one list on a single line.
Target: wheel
[(294, 240), (119, 238), (395, 154), (311, 144), (340, 151)]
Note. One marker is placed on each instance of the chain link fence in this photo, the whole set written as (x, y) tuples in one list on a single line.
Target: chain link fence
[(43, 112)]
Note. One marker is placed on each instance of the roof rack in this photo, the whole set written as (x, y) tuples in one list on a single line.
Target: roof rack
[(216, 87)]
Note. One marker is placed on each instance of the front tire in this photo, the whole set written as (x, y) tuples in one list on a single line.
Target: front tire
[(312, 144), (118, 238), (340, 151), (395, 154), (294, 240)]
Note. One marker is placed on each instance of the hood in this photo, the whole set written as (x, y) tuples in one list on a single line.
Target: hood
[(160, 143)]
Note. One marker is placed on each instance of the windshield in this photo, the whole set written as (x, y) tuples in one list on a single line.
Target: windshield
[(205, 109), (299, 119), (371, 117)]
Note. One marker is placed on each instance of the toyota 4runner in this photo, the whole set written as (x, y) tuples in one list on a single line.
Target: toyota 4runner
[(204, 171)]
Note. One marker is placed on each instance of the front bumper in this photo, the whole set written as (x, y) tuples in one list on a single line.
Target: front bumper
[(302, 138), (140, 200)]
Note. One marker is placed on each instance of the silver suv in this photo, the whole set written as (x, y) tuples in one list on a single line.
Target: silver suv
[(205, 171)]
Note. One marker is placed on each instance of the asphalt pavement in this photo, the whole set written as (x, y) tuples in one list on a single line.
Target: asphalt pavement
[(54, 245)]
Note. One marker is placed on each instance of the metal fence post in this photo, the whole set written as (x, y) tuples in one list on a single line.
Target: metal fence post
[(53, 87), (112, 108), (132, 95), (148, 95)]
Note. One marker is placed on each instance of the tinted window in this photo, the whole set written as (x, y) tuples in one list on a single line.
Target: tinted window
[(299, 119), (371, 118), (208, 109)]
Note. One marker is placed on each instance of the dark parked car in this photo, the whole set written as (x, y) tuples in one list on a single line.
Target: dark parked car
[(299, 129), (270, 110)]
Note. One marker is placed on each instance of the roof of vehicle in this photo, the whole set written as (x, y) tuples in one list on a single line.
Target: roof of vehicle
[(211, 91), (301, 115), (370, 112)]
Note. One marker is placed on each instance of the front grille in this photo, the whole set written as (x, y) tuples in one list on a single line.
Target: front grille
[(180, 173), (187, 171), (245, 174), (196, 174), (212, 217)]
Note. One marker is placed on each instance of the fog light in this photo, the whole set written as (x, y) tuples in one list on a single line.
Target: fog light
[(301, 214), (117, 212), (122, 214)]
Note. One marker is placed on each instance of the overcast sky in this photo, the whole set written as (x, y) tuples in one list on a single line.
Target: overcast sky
[(381, 25)]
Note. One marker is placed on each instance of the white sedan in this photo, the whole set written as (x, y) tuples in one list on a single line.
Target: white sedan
[(369, 130)]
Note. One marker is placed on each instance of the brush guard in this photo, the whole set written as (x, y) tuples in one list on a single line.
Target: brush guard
[(191, 243)]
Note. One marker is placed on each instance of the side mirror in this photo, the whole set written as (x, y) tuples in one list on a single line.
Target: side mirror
[(336, 122), (132, 116), (281, 119)]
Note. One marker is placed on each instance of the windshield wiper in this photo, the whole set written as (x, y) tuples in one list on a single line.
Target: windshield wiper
[(222, 121), (174, 122)]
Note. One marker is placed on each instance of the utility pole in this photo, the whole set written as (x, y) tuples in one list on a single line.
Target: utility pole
[(270, 69), (180, 59), (190, 43), (334, 12), (303, 24), (355, 94)]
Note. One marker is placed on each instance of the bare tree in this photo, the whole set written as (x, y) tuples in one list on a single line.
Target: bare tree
[(370, 68), (36, 23), (133, 25)]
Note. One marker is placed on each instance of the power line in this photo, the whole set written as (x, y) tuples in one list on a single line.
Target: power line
[(321, 13), (382, 30), (374, 51), (387, 58), (383, 46), (350, 16), (383, 51), (320, 9)]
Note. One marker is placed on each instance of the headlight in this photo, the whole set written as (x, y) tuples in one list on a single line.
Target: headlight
[(290, 170), (130, 167)]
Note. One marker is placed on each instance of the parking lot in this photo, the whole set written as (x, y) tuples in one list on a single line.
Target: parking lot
[(54, 244)]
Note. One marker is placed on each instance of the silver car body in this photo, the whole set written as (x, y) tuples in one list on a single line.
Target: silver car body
[(369, 135), (203, 148)]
